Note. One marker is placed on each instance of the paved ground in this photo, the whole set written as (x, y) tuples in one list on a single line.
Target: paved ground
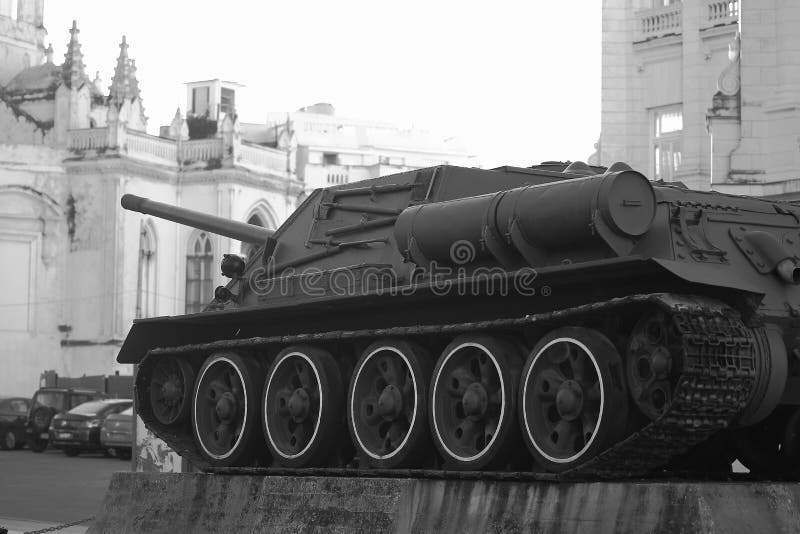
[(38, 489)]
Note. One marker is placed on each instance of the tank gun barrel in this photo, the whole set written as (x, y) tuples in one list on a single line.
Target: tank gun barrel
[(248, 233)]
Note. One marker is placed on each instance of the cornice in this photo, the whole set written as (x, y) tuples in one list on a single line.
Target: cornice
[(123, 165)]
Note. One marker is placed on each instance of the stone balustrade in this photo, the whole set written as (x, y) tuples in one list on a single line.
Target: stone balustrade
[(201, 150), (257, 158), (658, 22), (722, 12), (170, 152), (151, 148), (87, 139)]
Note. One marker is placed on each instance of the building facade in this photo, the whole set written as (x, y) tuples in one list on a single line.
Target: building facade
[(325, 149), (78, 269), (706, 92)]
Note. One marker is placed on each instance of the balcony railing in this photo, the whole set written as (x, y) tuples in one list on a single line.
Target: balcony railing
[(201, 150), (87, 139), (149, 147), (722, 12), (658, 22), (143, 147), (260, 158)]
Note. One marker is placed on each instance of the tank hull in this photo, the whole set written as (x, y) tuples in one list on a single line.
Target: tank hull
[(514, 321)]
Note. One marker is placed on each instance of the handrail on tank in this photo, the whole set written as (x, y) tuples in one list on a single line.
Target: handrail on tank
[(248, 233)]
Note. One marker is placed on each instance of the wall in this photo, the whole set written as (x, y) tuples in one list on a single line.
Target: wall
[(678, 67), (31, 272), (22, 38)]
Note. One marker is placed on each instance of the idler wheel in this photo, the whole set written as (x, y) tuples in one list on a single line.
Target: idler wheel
[(171, 384), (302, 407), (387, 404), (650, 365), (573, 403), (473, 402), (224, 414)]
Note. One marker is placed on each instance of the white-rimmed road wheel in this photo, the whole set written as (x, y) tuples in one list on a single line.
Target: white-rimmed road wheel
[(473, 402), (301, 409), (386, 406), (225, 409), (573, 402), (171, 385)]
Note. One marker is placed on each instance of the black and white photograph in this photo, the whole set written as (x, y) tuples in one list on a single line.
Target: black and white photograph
[(403, 267)]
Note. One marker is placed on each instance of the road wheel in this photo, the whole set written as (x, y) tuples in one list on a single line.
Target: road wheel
[(72, 451), (225, 413), (573, 402), (171, 390), (302, 407), (387, 404), (473, 402), (38, 445), (9, 441)]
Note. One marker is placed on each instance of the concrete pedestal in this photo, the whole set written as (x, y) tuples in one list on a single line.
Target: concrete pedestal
[(170, 503)]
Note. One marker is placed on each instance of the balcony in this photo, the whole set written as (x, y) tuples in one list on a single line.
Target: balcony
[(257, 158), (658, 22), (191, 154), (87, 139), (721, 13)]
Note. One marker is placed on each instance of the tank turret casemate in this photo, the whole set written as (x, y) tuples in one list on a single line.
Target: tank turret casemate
[(576, 320)]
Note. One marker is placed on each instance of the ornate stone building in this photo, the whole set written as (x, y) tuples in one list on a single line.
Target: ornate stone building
[(706, 92), (325, 149), (76, 268)]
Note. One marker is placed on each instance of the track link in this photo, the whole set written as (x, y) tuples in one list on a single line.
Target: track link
[(716, 377)]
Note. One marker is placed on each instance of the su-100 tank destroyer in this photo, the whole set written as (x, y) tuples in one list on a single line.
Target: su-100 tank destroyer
[(573, 320)]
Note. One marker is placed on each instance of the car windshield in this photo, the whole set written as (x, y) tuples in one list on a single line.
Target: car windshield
[(92, 408), (80, 398), (18, 406), (51, 399)]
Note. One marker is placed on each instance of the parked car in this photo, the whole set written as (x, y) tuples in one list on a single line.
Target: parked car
[(116, 434), (48, 402), (78, 430), (13, 415)]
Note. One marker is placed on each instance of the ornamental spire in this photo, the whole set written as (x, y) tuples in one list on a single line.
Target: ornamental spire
[(132, 81), (121, 87), (72, 70)]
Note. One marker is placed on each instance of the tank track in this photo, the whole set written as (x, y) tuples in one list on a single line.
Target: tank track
[(715, 381)]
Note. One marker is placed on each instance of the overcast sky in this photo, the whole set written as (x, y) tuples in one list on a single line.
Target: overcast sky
[(516, 82)]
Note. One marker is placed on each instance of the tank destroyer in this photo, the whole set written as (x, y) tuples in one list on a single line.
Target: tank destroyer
[(574, 320)]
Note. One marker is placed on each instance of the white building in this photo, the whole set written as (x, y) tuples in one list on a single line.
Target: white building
[(76, 268), (325, 149), (706, 92)]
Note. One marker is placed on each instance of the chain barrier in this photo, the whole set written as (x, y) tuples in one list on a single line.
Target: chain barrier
[(4, 530)]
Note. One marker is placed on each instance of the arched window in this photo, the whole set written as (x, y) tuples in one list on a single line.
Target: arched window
[(146, 294), (199, 259), (249, 248), (261, 214)]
